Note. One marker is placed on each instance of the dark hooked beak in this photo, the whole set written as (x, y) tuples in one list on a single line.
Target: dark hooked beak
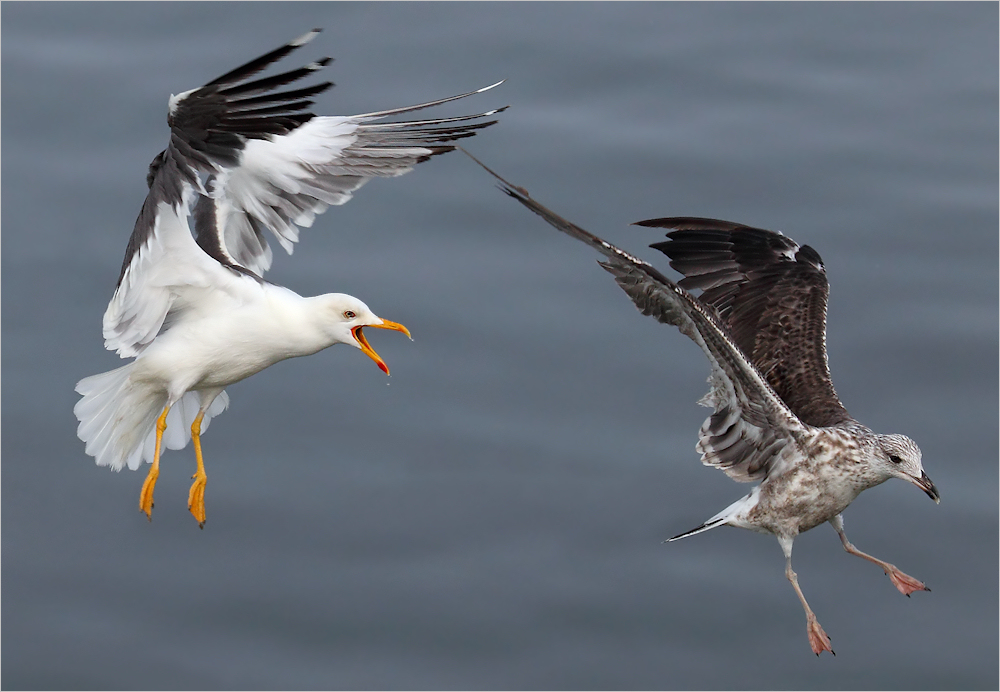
[(927, 485)]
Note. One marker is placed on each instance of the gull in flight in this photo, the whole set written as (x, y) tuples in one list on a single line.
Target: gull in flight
[(191, 306), (761, 321)]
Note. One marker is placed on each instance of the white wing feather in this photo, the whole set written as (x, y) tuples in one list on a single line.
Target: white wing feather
[(166, 273)]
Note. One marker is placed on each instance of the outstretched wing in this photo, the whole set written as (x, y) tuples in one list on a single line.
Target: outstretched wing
[(772, 294), (292, 166), (751, 426), (243, 157), (283, 182)]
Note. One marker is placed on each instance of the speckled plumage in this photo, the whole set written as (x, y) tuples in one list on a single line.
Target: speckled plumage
[(761, 321)]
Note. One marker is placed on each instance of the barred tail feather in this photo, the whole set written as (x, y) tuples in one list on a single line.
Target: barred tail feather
[(118, 418)]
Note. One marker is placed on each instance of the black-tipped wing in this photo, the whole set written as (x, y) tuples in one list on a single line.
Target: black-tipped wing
[(283, 182), (772, 294), (751, 429), (270, 164), (164, 268)]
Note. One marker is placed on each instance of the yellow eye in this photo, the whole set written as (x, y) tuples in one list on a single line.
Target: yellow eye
[(349, 314)]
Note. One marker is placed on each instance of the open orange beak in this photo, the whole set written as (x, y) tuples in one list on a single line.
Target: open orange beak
[(368, 350)]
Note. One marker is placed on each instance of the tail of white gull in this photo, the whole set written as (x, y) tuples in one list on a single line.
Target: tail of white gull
[(118, 418)]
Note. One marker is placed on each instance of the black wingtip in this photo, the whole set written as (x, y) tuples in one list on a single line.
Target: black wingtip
[(513, 190), (305, 38), (693, 531), (251, 68), (690, 223), (649, 223)]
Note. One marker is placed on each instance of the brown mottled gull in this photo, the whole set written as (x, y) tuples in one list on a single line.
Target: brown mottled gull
[(761, 321)]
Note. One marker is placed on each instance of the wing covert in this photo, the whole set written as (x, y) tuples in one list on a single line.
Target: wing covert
[(165, 270)]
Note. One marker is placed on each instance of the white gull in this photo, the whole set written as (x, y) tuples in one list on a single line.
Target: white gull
[(193, 309)]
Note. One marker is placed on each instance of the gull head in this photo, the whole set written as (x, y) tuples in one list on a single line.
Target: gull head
[(897, 456), (344, 319)]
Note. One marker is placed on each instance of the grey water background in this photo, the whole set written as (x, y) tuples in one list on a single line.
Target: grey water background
[(492, 515)]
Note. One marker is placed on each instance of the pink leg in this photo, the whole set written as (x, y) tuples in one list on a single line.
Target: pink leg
[(904, 582), (818, 640)]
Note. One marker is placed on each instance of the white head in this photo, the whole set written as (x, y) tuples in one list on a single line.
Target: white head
[(343, 317), (897, 456)]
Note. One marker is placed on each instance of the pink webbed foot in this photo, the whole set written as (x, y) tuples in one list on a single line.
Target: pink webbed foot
[(817, 637), (904, 582)]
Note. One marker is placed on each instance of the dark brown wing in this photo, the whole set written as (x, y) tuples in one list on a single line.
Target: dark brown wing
[(771, 293)]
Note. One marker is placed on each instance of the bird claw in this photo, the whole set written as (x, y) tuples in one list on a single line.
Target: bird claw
[(904, 582)]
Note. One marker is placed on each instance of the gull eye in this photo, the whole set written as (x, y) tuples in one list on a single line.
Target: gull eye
[(895, 459), (350, 314)]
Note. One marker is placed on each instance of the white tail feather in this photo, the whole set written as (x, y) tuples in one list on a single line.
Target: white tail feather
[(118, 418), (733, 515), (704, 527)]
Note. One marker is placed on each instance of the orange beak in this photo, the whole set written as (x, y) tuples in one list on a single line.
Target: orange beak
[(368, 350)]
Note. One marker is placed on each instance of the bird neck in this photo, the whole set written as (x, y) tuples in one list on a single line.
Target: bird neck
[(299, 327)]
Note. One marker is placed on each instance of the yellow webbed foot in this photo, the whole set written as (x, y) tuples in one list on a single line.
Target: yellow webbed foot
[(146, 494), (196, 498)]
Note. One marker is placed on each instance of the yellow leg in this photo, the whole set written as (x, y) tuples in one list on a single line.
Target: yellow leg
[(146, 494), (196, 497)]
